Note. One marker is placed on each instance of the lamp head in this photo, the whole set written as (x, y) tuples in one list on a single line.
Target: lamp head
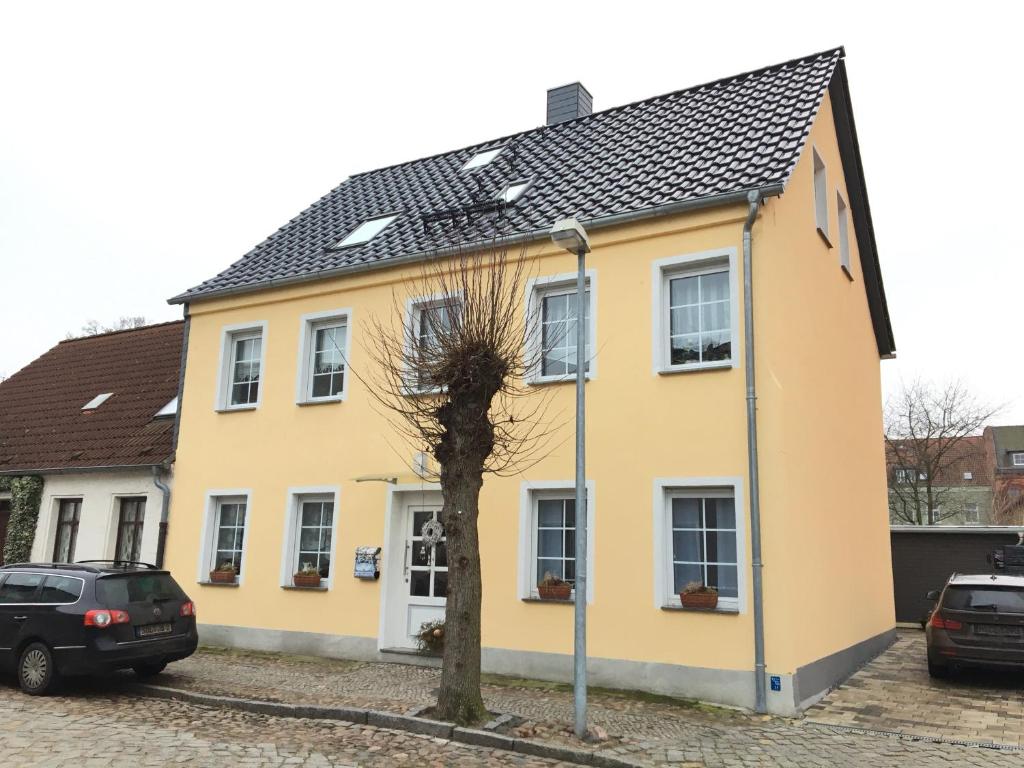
[(570, 234)]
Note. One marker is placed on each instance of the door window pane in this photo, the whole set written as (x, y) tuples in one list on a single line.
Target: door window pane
[(20, 588), (428, 566), (60, 589)]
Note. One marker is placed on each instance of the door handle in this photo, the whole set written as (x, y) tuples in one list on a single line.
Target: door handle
[(20, 618), (405, 567)]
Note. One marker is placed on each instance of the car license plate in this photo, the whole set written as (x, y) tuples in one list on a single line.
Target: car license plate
[(148, 630), (996, 630)]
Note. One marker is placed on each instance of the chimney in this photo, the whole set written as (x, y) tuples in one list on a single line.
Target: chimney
[(568, 102)]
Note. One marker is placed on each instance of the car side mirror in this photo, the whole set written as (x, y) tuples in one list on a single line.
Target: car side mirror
[(932, 595)]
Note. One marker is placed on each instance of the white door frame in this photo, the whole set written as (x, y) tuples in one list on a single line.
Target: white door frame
[(398, 498)]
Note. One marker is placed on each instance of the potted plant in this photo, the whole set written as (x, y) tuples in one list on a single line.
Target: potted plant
[(224, 573), (307, 576), (430, 638), (696, 595), (553, 588)]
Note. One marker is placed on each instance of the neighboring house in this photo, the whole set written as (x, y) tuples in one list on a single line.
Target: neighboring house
[(958, 493), (1005, 447), (94, 418), (276, 432)]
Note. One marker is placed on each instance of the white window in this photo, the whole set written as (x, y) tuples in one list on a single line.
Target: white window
[(551, 322), (820, 196), (480, 159), (224, 535), (513, 192), (971, 514), (699, 538), (968, 475), (366, 231), (904, 476), (844, 235), (697, 315), (97, 401), (548, 523), (428, 322), (324, 353), (241, 372), (1018, 459), (171, 409)]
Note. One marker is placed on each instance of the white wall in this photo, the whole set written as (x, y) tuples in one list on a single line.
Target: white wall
[(97, 528)]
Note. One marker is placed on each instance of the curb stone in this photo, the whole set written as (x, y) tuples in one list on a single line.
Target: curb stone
[(389, 720)]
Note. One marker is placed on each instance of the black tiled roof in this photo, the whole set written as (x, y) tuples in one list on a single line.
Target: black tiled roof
[(732, 135)]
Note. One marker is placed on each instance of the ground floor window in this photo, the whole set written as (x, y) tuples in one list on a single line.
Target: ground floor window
[(554, 543), (315, 530), (69, 512), (229, 535), (129, 529), (704, 542)]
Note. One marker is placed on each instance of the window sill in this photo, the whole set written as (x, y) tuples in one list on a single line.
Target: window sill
[(304, 589), (567, 379), (715, 366), (846, 271), (533, 599), (208, 583), (320, 401), (234, 408), (725, 609), (824, 236)]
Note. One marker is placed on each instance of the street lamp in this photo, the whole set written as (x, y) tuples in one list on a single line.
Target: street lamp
[(570, 234)]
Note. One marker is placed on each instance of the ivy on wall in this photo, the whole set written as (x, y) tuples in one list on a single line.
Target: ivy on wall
[(26, 494)]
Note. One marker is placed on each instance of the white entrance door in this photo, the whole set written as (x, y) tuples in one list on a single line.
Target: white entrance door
[(416, 594)]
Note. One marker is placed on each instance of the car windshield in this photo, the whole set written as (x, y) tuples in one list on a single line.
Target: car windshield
[(113, 591), (1000, 599)]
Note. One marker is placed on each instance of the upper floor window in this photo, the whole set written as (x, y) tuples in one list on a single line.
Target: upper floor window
[(324, 342), (695, 301), (1017, 459), (820, 196), (242, 367), (430, 322), (844, 235), (906, 475), (553, 309), (971, 513), (69, 512)]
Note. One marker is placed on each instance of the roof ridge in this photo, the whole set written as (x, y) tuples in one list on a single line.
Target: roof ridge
[(841, 50), (121, 330)]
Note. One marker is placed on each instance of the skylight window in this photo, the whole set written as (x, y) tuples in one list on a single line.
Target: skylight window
[(168, 410), (480, 159), (366, 231), (513, 192), (97, 401)]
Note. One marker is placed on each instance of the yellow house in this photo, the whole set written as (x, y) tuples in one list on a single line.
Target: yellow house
[(282, 460)]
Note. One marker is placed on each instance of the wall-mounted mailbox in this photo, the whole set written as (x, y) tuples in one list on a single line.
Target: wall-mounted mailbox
[(367, 563)]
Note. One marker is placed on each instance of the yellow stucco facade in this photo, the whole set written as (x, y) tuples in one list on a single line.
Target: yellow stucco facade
[(827, 574)]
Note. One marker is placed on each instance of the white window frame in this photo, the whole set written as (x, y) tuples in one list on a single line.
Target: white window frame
[(968, 475), (820, 185), (972, 513), (410, 330), (225, 373), (523, 186), (537, 289), (665, 488), (208, 532), (309, 324), (482, 158), (1014, 456), (292, 517), (703, 262), (843, 214), (529, 492), (348, 240)]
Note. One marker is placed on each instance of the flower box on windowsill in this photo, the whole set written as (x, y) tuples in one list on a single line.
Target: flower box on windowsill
[(223, 577), (306, 580), (554, 591)]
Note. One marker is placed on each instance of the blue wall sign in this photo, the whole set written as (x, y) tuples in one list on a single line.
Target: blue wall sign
[(776, 682)]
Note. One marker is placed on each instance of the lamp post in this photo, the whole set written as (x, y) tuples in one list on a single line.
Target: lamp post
[(569, 234)]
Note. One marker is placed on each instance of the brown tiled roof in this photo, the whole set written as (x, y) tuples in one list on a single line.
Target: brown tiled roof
[(968, 455), (43, 426)]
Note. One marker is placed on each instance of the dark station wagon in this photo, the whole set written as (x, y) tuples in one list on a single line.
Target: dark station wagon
[(88, 618)]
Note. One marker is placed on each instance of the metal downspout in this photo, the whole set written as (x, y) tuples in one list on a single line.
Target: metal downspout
[(760, 699), (165, 507)]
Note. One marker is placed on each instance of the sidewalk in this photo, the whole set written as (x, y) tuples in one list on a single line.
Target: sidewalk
[(644, 729)]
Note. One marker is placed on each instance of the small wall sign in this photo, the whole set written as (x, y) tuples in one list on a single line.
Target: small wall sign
[(776, 682), (367, 563)]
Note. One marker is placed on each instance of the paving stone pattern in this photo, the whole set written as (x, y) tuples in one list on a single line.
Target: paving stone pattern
[(895, 693)]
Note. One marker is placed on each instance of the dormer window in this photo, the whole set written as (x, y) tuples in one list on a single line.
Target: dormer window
[(480, 159), (1017, 458), (97, 401), (366, 231), (513, 192)]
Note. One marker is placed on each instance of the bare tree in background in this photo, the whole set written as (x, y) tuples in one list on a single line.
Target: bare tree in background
[(1008, 505), (94, 327), (452, 378), (925, 427)]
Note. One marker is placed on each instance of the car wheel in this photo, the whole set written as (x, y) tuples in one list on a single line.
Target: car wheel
[(143, 671), (938, 670), (37, 674)]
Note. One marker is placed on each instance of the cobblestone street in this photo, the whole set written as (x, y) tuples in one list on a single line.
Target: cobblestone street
[(106, 723)]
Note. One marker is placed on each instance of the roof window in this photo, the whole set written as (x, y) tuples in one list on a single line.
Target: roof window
[(168, 410), (366, 231), (480, 159), (97, 401), (513, 192)]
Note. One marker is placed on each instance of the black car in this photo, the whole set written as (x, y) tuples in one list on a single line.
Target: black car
[(88, 618), (978, 621)]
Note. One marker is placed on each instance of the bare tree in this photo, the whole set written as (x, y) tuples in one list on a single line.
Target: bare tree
[(1008, 505), (451, 377), (925, 431), (94, 327)]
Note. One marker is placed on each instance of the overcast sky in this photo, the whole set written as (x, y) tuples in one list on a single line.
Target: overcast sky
[(144, 147)]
